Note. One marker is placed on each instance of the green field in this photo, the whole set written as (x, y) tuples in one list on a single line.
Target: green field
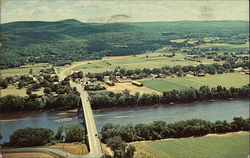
[(227, 80), (225, 146), (146, 60), (228, 47), (24, 69)]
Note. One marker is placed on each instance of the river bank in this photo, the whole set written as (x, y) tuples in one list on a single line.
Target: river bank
[(211, 111)]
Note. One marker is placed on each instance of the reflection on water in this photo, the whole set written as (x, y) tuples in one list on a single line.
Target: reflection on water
[(212, 111), (10, 122)]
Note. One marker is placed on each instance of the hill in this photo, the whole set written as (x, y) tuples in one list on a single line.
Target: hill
[(62, 42)]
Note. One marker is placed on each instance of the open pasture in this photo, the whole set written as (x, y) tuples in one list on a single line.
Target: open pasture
[(23, 69), (227, 47), (119, 87), (146, 60), (212, 146), (12, 90), (226, 80)]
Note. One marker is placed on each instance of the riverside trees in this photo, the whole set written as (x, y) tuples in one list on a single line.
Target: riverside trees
[(31, 103), (161, 130), (42, 136), (109, 99)]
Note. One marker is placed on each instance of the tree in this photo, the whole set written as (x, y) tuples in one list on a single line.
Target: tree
[(177, 68), (129, 151), (31, 137), (59, 135), (31, 70), (28, 91), (47, 90), (99, 77), (3, 83), (20, 84), (142, 131), (238, 124), (74, 133), (116, 143), (156, 71)]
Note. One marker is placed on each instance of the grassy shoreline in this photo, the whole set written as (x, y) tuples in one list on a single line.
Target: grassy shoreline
[(228, 145)]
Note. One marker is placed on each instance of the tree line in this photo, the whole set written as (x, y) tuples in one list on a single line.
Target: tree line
[(106, 99), (45, 136), (12, 103), (161, 130), (177, 70)]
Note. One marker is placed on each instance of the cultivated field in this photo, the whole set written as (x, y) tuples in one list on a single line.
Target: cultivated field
[(12, 90), (233, 145), (227, 80), (23, 69), (227, 47), (119, 87), (146, 60), (76, 149)]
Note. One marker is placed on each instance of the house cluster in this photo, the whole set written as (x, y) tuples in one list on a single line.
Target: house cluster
[(122, 80), (242, 70)]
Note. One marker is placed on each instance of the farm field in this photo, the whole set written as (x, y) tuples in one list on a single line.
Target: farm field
[(23, 69), (231, 145), (12, 90), (228, 47), (154, 60), (119, 87), (76, 149), (227, 80)]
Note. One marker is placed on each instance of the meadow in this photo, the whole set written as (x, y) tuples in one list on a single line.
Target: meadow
[(227, 47), (232, 145), (12, 90), (146, 60), (226, 80), (23, 69), (119, 87)]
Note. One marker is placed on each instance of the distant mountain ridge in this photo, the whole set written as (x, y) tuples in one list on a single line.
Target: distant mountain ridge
[(70, 40)]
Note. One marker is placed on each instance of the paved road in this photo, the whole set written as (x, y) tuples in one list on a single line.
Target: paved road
[(94, 142)]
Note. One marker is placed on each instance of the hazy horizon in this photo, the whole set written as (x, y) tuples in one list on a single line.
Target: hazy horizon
[(123, 11), (128, 22)]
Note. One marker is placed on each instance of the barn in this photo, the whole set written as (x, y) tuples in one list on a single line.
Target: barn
[(137, 83)]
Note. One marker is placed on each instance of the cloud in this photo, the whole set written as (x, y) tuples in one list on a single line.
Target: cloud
[(133, 10)]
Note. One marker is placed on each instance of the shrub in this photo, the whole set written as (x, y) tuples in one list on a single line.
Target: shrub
[(31, 137)]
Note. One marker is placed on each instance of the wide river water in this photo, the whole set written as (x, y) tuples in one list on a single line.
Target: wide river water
[(212, 111)]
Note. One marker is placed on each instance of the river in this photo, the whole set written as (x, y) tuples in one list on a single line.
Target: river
[(212, 111)]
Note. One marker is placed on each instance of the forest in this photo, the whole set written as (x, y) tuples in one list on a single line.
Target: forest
[(63, 42)]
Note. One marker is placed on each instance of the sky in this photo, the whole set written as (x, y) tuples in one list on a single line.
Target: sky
[(123, 10)]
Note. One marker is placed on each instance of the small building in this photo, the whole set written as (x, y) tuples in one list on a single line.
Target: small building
[(122, 80), (201, 75), (161, 76), (137, 83), (238, 69), (106, 78)]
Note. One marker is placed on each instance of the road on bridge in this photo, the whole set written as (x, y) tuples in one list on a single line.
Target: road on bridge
[(93, 138)]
